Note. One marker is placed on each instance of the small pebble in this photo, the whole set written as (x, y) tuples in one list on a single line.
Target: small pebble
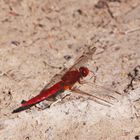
[(67, 57), (137, 137)]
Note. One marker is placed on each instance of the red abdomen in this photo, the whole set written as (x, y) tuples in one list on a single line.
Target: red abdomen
[(45, 94)]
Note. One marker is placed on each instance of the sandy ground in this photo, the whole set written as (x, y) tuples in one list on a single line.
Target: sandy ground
[(39, 38)]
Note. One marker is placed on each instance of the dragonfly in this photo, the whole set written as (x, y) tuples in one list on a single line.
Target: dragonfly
[(67, 81)]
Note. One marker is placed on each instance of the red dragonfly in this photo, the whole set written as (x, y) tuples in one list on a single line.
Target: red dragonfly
[(67, 82)]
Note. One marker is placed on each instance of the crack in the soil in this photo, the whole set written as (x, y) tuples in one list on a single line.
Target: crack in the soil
[(134, 76)]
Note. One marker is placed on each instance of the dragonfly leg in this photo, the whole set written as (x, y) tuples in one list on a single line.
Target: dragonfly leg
[(60, 99), (82, 82), (68, 94)]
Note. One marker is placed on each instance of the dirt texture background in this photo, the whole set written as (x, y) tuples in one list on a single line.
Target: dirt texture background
[(38, 38)]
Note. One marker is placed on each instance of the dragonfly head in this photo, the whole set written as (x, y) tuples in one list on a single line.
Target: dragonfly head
[(84, 71)]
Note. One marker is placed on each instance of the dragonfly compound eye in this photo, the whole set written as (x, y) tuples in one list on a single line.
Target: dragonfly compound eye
[(84, 71)]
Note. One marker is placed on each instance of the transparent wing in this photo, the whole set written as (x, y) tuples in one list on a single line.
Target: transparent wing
[(81, 61), (56, 78), (99, 94), (92, 97)]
